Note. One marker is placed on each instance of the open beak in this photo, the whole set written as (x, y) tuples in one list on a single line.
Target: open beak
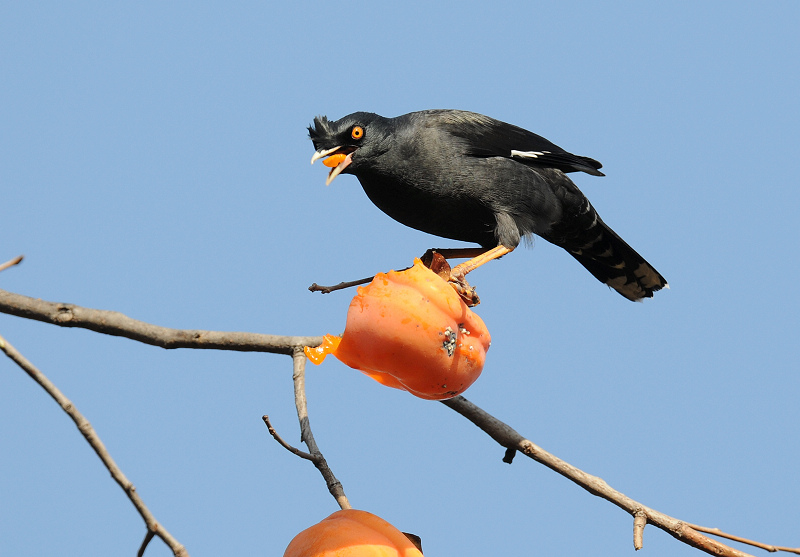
[(336, 161)]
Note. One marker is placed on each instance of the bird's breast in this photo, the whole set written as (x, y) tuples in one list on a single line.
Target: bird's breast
[(431, 204)]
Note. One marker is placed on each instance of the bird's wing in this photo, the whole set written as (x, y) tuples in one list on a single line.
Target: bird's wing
[(487, 137)]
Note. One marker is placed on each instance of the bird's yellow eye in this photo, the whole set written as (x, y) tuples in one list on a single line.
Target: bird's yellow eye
[(357, 132)]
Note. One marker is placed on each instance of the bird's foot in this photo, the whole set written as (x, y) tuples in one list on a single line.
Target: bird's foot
[(465, 290), (436, 262)]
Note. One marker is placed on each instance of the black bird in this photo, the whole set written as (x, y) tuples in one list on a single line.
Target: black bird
[(465, 176)]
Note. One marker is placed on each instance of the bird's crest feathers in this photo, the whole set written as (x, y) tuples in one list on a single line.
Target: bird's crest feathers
[(320, 128)]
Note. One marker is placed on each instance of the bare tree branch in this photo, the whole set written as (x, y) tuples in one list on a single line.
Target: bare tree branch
[(507, 437), (299, 378), (116, 324), (316, 457), (86, 429)]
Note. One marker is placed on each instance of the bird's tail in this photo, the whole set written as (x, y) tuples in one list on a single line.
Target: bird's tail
[(613, 262)]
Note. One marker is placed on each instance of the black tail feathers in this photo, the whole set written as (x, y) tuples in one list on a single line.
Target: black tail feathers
[(613, 262)]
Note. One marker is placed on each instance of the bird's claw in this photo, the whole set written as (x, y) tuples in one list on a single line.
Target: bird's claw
[(465, 291)]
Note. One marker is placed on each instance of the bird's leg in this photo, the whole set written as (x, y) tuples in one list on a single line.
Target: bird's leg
[(460, 271), (435, 259)]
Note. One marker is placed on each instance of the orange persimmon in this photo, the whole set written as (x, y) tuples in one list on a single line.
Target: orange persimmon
[(410, 330), (334, 160), (352, 533)]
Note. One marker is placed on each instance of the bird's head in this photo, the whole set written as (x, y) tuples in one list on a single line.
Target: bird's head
[(347, 142)]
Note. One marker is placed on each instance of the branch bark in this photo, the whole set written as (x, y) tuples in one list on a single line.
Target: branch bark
[(114, 323), (154, 528), (506, 436), (315, 456), (299, 378), (117, 324)]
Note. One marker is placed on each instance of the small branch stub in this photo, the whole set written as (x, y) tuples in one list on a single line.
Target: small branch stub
[(639, 522), (16, 261)]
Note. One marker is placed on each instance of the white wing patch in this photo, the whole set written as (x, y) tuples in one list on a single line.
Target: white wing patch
[(528, 154)]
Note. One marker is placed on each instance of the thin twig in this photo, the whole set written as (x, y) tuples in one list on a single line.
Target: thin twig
[(341, 286), (16, 261), (446, 253), (284, 444), (299, 378), (507, 437), (116, 324), (764, 546), (94, 441), (148, 537)]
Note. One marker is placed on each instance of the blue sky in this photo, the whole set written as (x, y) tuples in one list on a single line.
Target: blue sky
[(154, 161)]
